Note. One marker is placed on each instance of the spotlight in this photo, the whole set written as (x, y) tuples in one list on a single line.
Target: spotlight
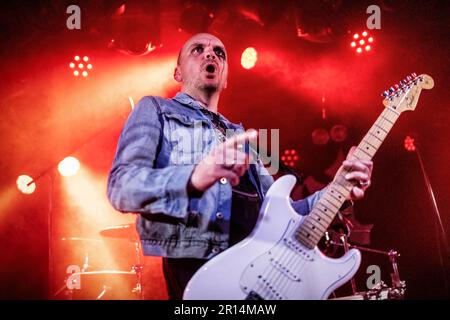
[(78, 66), (69, 166), (363, 43), (409, 144), (290, 157), (25, 184), (249, 58)]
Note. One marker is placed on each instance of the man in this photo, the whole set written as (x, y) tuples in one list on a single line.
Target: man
[(196, 194)]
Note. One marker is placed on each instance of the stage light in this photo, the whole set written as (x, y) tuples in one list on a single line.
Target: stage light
[(78, 66), (24, 185), (69, 166), (249, 58), (290, 157), (363, 42), (409, 144)]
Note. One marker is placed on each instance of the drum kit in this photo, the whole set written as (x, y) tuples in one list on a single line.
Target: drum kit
[(90, 281)]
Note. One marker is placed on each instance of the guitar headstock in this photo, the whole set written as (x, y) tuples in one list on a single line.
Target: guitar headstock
[(405, 95)]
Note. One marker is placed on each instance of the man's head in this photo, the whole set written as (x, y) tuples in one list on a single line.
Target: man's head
[(202, 64)]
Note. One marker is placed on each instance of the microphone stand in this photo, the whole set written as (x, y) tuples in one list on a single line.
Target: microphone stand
[(441, 236)]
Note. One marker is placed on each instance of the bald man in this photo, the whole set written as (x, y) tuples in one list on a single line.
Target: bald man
[(190, 174)]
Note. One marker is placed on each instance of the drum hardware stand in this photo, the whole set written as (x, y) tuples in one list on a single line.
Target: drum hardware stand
[(105, 289), (346, 246), (381, 290), (138, 269), (442, 241)]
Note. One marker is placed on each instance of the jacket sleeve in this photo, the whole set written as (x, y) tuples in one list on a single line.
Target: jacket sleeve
[(134, 184)]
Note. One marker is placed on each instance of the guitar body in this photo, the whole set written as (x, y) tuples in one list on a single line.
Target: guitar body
[(269, 264)]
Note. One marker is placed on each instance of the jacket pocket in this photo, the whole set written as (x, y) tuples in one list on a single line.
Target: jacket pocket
[(188, 137)]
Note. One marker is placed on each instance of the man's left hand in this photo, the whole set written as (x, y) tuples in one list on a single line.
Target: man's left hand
[(360, 174)]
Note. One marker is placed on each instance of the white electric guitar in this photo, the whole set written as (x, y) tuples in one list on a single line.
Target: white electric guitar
[(280, 260)]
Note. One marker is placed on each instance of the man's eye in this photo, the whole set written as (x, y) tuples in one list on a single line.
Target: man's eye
[(220, 53), (197, 50)]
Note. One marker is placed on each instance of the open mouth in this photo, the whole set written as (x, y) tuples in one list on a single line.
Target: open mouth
[(211, 68)]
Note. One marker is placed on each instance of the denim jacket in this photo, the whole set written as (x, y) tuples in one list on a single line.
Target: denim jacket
[(158, 148)]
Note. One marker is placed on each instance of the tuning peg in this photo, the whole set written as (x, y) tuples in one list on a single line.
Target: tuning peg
[(385, 94), (391, 89), (414, 75), (402, 83), (396, 87), (408, 78)]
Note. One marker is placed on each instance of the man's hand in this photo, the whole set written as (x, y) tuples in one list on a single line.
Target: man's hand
[(227, 160), (360, 173)]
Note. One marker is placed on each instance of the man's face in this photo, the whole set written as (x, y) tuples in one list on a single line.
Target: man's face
[(202, 64)]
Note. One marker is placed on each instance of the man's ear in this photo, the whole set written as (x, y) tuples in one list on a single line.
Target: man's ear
[(177, 74)]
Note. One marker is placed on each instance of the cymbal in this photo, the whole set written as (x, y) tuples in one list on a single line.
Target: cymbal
[(123, 231), (80, 239), (104, 272)]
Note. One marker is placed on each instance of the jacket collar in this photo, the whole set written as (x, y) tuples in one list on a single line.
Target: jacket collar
[(188, 101)]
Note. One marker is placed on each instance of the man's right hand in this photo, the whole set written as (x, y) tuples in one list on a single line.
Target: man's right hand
[(227, 160)]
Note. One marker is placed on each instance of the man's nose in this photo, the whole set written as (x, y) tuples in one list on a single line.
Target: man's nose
[(209, 54)]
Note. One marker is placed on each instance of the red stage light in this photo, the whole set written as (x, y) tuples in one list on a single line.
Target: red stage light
[(362, 43), (69, 166), (290, 157), (249, 58), (409, 144), (78, 66)]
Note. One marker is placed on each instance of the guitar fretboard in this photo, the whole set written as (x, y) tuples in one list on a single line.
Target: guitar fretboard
[(317, 222)]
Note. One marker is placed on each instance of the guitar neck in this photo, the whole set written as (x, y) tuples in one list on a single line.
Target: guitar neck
[(317, 222)]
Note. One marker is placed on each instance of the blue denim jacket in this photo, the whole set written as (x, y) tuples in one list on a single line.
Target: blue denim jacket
[(158, 148)]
